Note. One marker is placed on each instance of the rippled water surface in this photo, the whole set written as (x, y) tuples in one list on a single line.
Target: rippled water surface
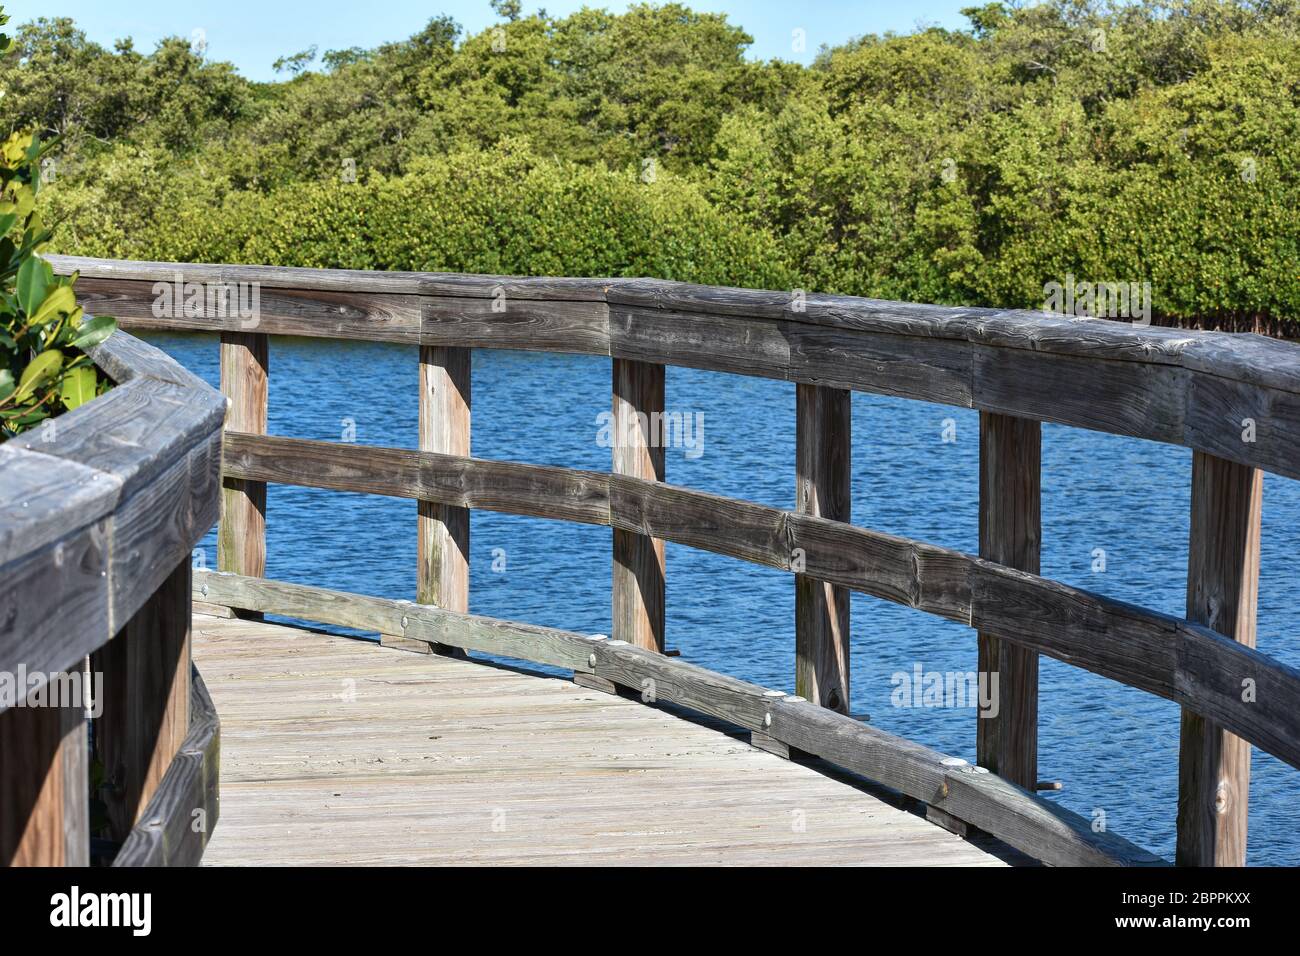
[(1114, 748)]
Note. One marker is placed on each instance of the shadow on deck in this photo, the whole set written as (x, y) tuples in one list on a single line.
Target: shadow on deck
[(340, 751)]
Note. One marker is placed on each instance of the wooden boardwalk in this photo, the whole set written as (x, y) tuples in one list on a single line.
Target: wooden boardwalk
[(339, 751)]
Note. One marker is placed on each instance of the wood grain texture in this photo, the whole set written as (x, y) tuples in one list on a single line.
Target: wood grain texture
[(445, 401), (508, 321), (96, 509), (134, 432), (175, 826), (335, 314), (639, 567), (465, 285), (44, 786), (43, 498), (158, 526), (823, 487), (1167, 656), (982, 799), (241, 535), (1222, 591), (1188, 388), (123, 358), (408, 621), (146, 700), (655, 679), (1010, 529), (524, 769), (538, 490)]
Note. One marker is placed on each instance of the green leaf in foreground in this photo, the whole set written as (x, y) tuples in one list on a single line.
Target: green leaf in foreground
[(78, 386), (31, 285), (42, 368), (93, 331)]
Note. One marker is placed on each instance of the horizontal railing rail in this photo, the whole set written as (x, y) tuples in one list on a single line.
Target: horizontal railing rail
[(1190, 388), (99, 511), (1171, 657), (1233, 399)]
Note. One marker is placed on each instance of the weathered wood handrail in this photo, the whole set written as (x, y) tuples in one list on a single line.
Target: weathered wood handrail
[(1187, 388), (99, 511), (1233, 399)]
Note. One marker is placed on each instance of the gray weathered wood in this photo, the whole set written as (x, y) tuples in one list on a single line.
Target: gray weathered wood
[(43, 498), (538, 490), (146, 699), (968, 793), (1020, 819), (98, 507), (505, 321), (414, 622), (1190, 388), (1222, 590), (980, 798), (147, 451), (1142, 648), (476, 764), (1010, 534), (178, 821), (241, 536), (638, 575), (123, 357), (823, 487), (376, 316), (445, 400), (134, 432)]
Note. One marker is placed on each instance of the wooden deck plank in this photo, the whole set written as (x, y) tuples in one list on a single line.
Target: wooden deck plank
[(340, 751)]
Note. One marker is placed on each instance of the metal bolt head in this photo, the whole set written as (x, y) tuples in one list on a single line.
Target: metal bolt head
[(767, 720), (591, 660)]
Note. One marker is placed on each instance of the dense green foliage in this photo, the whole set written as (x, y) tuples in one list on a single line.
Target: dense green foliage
[(42, 368), (1143, 142)]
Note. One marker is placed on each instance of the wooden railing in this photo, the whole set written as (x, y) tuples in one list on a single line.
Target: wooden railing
[(1233, 399), (99, 511)]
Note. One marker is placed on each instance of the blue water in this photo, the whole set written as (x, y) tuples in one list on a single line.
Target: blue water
[(1114, 748)]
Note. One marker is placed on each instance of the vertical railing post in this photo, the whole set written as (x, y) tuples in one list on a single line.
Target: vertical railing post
[(823, 455), (638, 592), (1010, 534), (146, 700), (1222, 587), (241, 535), (444, 428), (44, 785)]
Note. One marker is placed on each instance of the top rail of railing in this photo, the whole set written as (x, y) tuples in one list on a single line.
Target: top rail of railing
[(1236, 396), (99, 505)]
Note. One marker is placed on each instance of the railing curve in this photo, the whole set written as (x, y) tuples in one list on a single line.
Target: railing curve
[(1233, 399), (99, 511)]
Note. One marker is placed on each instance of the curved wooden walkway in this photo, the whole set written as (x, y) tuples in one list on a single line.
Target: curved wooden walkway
[(340, 751)]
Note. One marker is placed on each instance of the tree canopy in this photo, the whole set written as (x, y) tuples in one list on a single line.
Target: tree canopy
[(1153, 141)]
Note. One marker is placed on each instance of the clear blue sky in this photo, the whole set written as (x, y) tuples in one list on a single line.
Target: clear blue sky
[(253, 34)]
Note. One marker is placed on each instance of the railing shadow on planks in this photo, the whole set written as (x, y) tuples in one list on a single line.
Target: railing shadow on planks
[(99, 511), (1233, 399)]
